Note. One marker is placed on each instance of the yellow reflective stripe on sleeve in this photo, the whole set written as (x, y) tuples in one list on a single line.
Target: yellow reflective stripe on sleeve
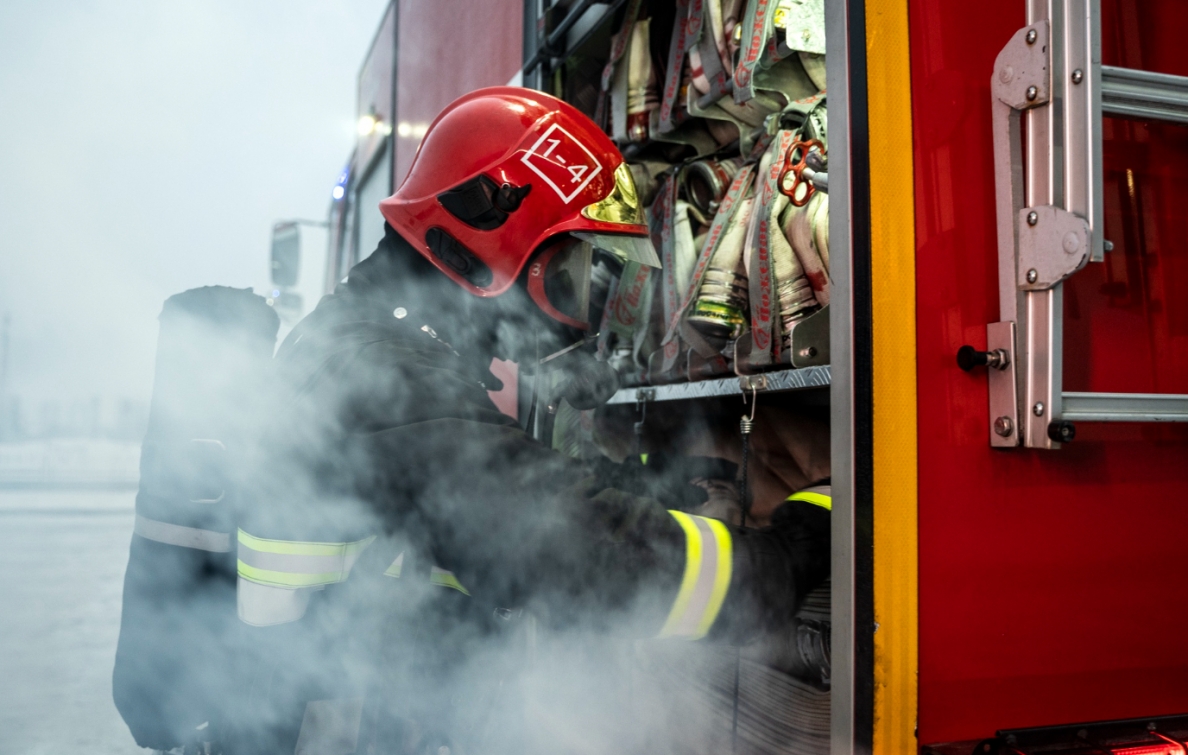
[(708, 564), (299, 548), (293, 563), (692, 568), (445, 578), (817, 499)]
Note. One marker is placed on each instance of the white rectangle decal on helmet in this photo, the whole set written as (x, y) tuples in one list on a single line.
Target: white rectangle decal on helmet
[(562, 161)]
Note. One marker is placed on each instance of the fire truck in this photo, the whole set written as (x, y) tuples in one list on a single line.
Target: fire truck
[(997, 347)]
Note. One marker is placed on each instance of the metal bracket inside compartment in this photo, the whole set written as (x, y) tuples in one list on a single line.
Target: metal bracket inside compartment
[(810, 340), (644, 395), (749, 383)]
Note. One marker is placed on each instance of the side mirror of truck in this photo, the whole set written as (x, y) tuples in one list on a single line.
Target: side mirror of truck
[(286, 254)]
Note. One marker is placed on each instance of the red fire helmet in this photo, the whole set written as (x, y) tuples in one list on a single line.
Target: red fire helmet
[(503, 170)]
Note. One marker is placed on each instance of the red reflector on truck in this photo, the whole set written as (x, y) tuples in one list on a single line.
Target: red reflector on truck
[(1158, 735), (1162, 748)]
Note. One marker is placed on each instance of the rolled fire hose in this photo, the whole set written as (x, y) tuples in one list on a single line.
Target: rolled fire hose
[(633, 94), (797, 300), (703, 183), (719, 311), (709, 58), (807, 229), (773, 266), (617, 49), (670, 115)]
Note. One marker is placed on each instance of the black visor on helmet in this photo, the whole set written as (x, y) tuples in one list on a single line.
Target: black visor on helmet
[(481, 203)]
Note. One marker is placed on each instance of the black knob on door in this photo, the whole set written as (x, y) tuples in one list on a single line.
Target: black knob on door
[(968, 357)]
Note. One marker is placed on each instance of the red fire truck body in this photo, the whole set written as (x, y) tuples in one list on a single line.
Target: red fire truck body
[(1050, 581)]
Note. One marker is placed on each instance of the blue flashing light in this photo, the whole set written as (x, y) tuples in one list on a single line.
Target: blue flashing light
[(340, 185), (275, 293)]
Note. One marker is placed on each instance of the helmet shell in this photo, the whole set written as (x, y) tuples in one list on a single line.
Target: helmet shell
[(515, 136)]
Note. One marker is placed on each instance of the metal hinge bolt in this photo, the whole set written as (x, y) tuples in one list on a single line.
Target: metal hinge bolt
[(1032, 93), (1032, 275), (1031, 36), (1004, 426), (1078, 76), (1032, 218), (1038, 409)]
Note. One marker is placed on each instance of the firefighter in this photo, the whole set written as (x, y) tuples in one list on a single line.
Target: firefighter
[(385, 461)]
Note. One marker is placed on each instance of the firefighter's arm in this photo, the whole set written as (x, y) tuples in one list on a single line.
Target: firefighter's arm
[(519, 523)]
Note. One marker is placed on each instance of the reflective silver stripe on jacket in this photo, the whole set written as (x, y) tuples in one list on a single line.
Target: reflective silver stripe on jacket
[(339, 565), (184, 537)]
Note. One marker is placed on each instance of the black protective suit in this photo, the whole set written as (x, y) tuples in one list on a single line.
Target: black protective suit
[(383, 427)]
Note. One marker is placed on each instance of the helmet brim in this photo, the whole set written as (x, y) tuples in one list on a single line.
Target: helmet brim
[(623, 247)]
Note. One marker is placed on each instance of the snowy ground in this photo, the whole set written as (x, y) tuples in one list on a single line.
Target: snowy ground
[(62, 554)]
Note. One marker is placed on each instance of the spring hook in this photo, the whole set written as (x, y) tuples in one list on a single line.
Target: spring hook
[(641, 406), (745, 424)]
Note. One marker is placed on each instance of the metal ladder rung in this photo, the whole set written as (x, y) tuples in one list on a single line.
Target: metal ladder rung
[(1133, 93), (1125, 407)]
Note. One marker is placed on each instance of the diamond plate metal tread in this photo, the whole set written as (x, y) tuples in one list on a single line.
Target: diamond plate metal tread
[(767, 382)]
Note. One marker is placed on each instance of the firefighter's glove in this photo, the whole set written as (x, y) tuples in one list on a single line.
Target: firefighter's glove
[(585, 382), (672, 480)]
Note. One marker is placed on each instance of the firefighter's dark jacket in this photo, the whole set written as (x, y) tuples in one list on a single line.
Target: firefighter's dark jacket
[(382, 425)]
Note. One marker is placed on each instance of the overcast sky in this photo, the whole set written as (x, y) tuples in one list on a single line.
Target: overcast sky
[(146, 148)]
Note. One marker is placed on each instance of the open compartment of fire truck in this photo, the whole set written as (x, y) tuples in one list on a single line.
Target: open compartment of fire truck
[(723, 352)]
